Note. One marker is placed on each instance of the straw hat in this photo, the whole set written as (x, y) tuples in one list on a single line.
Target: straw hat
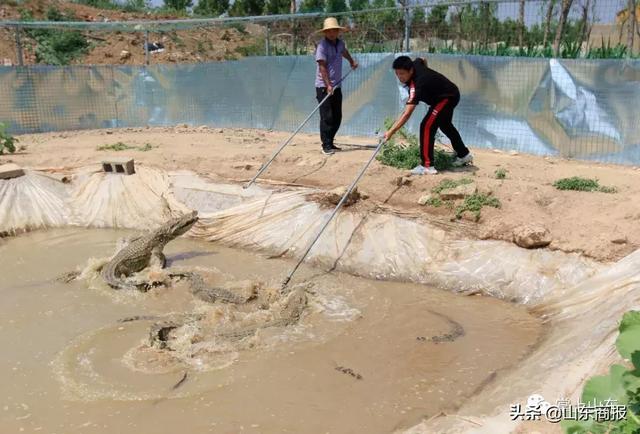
[(331, 23)]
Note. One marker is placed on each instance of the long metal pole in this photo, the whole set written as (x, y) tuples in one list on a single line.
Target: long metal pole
[(335, 211), (264, 166)]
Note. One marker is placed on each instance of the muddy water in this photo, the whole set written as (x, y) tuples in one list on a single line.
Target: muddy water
[(359, 360)]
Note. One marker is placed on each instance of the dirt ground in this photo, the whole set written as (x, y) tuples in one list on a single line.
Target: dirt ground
[(127, 48), (602, 226)]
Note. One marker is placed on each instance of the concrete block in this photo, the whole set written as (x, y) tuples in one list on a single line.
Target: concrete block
[(124, 166), (8, 171)]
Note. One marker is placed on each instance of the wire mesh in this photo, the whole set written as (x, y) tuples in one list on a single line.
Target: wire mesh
[(517, 94)]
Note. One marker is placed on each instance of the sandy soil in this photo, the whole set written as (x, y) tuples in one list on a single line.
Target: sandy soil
[(602, 226), (187, 46)]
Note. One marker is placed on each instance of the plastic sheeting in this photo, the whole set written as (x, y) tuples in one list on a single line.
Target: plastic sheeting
[(389, 247), (572, 108), (93, 199), (580, 344), (284, 223), (32, 201), (135, 201)]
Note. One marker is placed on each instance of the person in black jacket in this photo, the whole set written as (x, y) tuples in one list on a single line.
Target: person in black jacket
[(442, 96)]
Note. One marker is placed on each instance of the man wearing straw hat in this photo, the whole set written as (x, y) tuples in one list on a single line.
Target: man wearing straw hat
[(329, 54)]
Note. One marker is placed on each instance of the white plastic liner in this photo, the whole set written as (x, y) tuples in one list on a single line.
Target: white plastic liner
[(139, 201), (389, 247), (583, 327), (32, 201)]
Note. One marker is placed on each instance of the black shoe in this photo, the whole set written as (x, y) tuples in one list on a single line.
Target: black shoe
[(328, 151), (335, 148)]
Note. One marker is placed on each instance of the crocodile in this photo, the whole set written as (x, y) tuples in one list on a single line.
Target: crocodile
[(292, 309), (145, 250), (212, 294)]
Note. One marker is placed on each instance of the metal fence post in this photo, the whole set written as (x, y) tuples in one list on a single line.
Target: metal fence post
[(267, 48), (146, 47), (19, 47), (407, 27)]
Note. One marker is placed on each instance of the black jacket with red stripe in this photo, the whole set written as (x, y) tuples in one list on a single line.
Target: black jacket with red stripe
[(429, 86)]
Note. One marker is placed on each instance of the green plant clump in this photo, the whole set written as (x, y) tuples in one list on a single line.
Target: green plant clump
[(7, 141), (620, 387), (475, 203), (577, 183), (501, 173), (120, 146), (54, 46), (447, 184), (407, 156), (434, 202)]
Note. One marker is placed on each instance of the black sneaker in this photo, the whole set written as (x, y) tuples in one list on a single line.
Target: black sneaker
[(328, 151), (335, 148)]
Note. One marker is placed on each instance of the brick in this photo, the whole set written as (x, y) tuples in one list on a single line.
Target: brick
[(8, 171), (123, 166)]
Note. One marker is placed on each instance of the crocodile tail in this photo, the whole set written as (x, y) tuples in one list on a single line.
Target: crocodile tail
[(111, 280)]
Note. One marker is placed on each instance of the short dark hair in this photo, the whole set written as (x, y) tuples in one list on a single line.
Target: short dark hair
[(403, 62)]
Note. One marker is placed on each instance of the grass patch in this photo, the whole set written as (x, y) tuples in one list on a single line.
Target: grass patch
[(501, 173), (400, 157), (147, 147), (447, 184), (120, 146), (406, 155), (7, 141), (475, 203), (443, 160), (577, 183), (434, 201), (607, 189)]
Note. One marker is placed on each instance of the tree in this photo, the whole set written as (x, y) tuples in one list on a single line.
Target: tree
[(243, 8), (276, 7), (419, 16), (457, 19), (586, 28), (359, 5), (212, 8), (178, 5), (312, 6), (333, 6), (437, 19), (547, 22), (521, 25), (564, 12), (632, 22), (391, 18), (508, 32), (487, 21)]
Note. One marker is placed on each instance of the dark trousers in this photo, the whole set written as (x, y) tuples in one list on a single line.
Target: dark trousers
[(330, 115), (440, 115)]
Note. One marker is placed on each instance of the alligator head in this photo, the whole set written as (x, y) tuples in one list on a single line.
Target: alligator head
[(176, 227)]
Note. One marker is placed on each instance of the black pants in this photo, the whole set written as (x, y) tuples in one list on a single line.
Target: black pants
[(330, 115), (440, 115)]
